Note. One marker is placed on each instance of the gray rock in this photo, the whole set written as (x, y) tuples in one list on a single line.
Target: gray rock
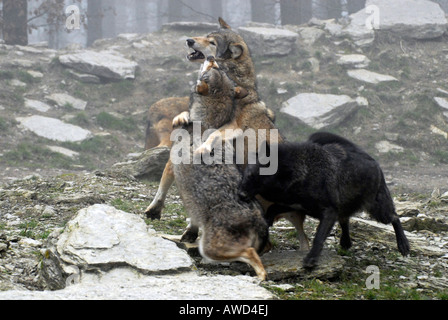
[(370, 76), (102, 236), (64, 151), (386, 147), (373, 231), (149, 164), (125, 284), (64, 100), (37, 105), (269, 41), (85, 77), (103, 64), (442, 102), (288, 264), (105, 253), (354, 61), (416, 19), (54, 129), (310, 35), (320, 110)]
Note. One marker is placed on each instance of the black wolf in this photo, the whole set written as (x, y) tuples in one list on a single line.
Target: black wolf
[(329, 178)]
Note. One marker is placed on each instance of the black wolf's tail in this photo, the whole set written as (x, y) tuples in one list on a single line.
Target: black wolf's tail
[(324, 138)]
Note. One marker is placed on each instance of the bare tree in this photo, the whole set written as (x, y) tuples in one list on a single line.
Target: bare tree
[(15, 29), (174, 11), (295, 11), (94, 21)]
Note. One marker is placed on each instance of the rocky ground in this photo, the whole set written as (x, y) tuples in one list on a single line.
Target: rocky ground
[(45, 179)]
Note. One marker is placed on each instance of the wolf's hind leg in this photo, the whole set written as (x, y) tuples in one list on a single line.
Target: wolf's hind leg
[(154, 210)]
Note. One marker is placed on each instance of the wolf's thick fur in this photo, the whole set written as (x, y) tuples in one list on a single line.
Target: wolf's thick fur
[(232, 230), (329, 178), (159, 124)]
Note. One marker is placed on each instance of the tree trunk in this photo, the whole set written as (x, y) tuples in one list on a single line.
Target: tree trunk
[(295, 11), (94, 21), (289, 11), (15, 25), (174, 11)]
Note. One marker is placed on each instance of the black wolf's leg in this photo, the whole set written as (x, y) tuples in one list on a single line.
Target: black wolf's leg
[(327, 222), (345, 241), (402, 241)]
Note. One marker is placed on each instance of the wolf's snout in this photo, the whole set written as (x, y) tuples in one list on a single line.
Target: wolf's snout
[(190, 42)]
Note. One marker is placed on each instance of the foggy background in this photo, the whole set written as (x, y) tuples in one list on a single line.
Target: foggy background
[(108, 18)]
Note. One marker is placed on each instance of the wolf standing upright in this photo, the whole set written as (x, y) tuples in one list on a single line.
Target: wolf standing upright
[(232, 230)]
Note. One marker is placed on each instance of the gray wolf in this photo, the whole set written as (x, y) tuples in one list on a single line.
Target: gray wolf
[(329, 178), (232, 229)]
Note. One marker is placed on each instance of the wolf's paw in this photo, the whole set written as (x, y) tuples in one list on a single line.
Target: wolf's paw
[(181, 119), (205, 148), (310, 262), (154, 212), (189, 236)]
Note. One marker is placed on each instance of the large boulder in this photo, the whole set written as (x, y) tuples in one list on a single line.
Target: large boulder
[(415, 19), (103, 64), (106, 253), (321, 110), (269, 41), (54, 129)]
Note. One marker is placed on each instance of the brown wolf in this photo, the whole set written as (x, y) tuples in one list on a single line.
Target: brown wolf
[(159, 124), (232, 230), (232, 54)]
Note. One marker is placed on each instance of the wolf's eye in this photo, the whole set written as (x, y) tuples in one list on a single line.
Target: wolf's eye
[(213, 43)]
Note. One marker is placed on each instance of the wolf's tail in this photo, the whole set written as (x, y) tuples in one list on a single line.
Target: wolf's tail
[(383, 210), (151, 138), (324, 138)]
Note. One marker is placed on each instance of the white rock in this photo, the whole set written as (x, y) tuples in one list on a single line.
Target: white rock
[(36, 74), (385, 147), (28, 242), (126, 284), (103, 64), (269, 41), (63, 100), (311, 34), (18, 83), (369, 76), (442, 102), (416, 19), (64, 151), (320, 110), (37, 105), (102, 235), (54, 129), (354, 61)]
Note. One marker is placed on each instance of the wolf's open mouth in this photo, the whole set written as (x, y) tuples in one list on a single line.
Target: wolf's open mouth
[(195, 55)]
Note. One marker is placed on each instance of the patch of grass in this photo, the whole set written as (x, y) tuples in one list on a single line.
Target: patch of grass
[(108, 121), (26, 77), (80, 119), (6, 75), (34, 156), (441, 156), (4, 125), (96, 145)]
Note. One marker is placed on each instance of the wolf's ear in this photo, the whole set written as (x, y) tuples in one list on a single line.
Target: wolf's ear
[(236, 49), (223, 24), (240, 93), (202, 88)]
